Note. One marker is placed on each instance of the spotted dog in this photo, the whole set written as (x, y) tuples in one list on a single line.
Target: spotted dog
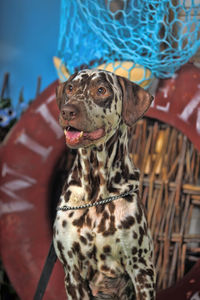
[(105, 247)]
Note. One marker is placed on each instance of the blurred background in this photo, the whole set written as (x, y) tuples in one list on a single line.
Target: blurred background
[(28, 41)]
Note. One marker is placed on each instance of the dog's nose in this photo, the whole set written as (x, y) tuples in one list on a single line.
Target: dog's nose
[(69, 112)]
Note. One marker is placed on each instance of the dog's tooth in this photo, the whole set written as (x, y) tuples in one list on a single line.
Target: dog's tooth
[(81, 134)]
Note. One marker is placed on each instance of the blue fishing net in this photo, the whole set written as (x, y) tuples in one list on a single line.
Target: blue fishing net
[(160, 35)]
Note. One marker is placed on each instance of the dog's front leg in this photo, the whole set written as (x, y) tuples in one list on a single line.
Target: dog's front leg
[(143, 278), (139, 266), (76, 288)]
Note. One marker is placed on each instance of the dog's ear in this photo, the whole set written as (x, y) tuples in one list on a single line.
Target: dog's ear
[(60, 94), (135, 101)]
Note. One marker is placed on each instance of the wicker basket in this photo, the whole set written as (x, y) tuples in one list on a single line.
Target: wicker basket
[(170, 176)]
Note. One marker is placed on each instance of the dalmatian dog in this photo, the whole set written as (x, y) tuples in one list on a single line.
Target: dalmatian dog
[(101, 234)]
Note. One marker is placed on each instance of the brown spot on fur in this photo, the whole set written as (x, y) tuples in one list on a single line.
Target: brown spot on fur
[(71, 289), (64, 223), (89, 254), (142, 261), (67, 196), (88, 221), (83, 240), (111, 207), (101, 227), (70, 254), (61, 250), (139, 214), (89, 236), (129, 198), (111, 142), (102, 256), (128, 222), (107, 249), (112, 272), (149, 272), (71, 214), (112, 189), (134, 259), (75, 177), (111, 230), (135, 236), (76, 249), (92, 254), (80, 289), (141, 235), (140, 252), (125, 171), (134, 250), (117, 177), (75, 182), (105, 268), (135, 176), (79, 222), (100, 148)]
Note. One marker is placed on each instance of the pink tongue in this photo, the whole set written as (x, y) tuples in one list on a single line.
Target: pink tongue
[(72, 135)]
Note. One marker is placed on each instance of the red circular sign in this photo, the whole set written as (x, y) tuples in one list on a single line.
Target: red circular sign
[(177, 102), (28, 157)]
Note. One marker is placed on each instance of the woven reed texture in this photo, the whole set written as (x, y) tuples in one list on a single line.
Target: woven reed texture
[(170, 176)]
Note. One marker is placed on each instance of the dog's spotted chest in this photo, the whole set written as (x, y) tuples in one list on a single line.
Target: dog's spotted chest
[(79, 235), (106, 250)]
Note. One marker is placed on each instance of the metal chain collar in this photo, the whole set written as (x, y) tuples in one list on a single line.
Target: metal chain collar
[(107, 200)]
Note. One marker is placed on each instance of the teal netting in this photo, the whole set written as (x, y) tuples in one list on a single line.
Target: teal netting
[(160, 35)]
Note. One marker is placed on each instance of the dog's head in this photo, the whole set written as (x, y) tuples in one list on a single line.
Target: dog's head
[(93, 103)]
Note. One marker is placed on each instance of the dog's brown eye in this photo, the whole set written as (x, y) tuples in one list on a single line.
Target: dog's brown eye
[(70, 88), (101, 90)]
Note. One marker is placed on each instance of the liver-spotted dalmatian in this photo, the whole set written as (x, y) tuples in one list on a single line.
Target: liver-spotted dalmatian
[(102, 241)]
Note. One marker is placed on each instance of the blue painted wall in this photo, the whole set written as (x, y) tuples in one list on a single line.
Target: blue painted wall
[(29, 33)]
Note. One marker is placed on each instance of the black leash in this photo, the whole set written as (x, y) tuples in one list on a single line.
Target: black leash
[(46, 273)]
